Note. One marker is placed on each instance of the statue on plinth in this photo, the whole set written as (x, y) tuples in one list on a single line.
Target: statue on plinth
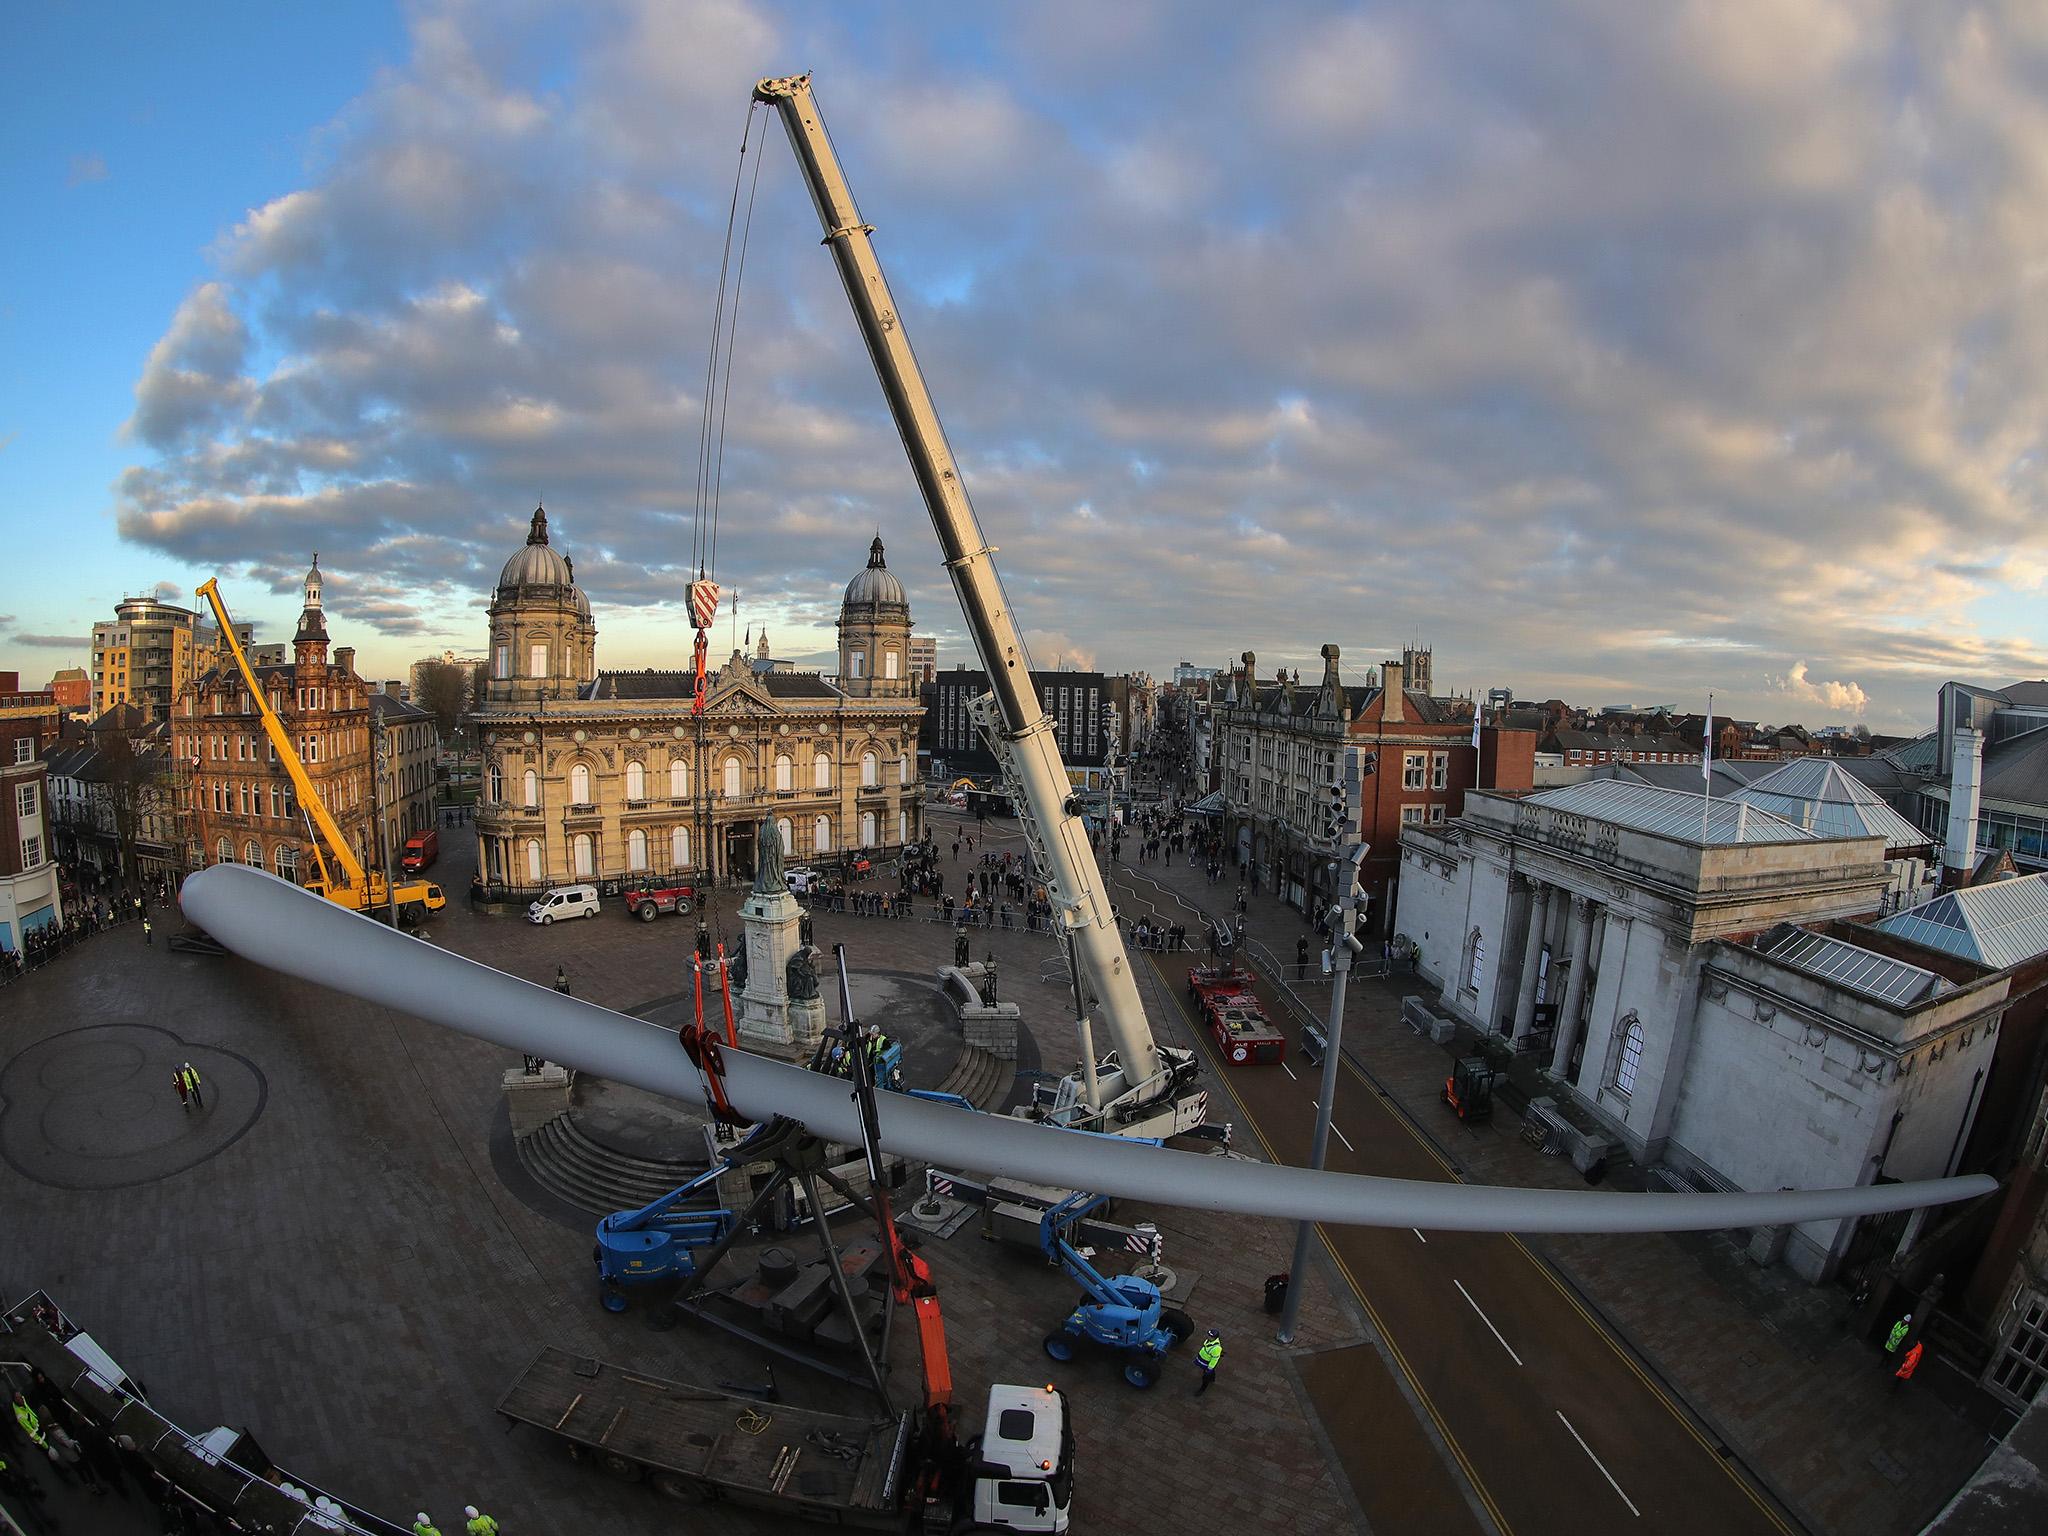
[(767, 858), (736, 968)]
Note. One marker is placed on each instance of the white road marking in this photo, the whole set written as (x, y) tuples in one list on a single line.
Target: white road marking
[(1631, 1503), (1419, 1237), (1343, 1138), (1491, 1329), (1288, 1070)]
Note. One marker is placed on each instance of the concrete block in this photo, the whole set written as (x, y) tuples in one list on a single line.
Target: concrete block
[(993, 1029)]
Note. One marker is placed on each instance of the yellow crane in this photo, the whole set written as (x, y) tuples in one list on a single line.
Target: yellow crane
[(342, 879)]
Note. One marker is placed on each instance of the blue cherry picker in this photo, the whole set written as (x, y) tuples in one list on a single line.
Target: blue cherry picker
[(1124, 1313)]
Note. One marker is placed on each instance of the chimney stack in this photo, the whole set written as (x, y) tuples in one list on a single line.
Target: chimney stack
[(393, 688), (1393, 692), (1966, 775), (345, 658)]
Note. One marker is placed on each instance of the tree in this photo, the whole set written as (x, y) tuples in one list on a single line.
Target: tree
[(442, 688), (129, 767)]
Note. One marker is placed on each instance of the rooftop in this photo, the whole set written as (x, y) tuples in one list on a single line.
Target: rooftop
[(1672, 813), (1818, 794), (1878, 977), (1999, 924)]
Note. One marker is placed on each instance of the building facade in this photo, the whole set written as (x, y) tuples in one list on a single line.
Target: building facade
[(1087, 709), (408, 744), (147, 654), (1280, 746), (29, 897), (72, 689), (243, 808), (924, 658), (592, 775), (117, 802), (1672, 962)]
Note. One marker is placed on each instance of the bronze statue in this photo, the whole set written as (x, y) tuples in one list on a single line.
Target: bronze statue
[(805, 930), (767, 859), (736, 968), (801, 976)]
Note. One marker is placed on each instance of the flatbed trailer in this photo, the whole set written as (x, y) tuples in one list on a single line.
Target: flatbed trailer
[(699, 1445)]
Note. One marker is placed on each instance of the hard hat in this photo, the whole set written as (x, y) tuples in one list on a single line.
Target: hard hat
[(469, 1511), (1214, 1334), (421, 1517)]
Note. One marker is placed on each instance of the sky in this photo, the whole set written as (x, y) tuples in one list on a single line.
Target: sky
[(1617, 352)]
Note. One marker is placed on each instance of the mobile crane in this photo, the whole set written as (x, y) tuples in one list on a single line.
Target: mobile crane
[(1138, 1087), (343, 881)]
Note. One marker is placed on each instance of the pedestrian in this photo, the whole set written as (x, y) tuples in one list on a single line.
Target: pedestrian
[(1301, 954), (65, 1453), (184, 1097), (1908, 1365), (1207, 1358), (146, 932), (1899, 1331), (479, 1524), (30, 1421), (192, 1085), (422, 1526), (562, 980)]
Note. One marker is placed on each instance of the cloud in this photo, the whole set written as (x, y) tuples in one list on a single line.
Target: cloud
[(7, 439), (168, 592), (53, 642), (85, 168), (1843, 698), (1599, 348)]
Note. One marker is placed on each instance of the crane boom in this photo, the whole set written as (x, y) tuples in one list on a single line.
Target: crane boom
[(1073, 880), (353, 878)]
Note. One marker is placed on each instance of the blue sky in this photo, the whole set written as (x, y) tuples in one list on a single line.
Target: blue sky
[(1620, 353)]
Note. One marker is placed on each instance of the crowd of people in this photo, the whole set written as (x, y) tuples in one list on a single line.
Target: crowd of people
[(91, 903)]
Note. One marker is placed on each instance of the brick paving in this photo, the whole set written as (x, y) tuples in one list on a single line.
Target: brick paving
[(349, 1276), (1764, 1361)]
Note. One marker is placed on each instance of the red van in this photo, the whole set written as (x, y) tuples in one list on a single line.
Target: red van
[(421, 849)]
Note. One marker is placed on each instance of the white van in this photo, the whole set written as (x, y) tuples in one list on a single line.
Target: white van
[(564, 901)]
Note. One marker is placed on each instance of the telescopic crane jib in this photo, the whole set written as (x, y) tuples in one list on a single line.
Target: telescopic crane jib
[(342, 879), (1142, 1075)]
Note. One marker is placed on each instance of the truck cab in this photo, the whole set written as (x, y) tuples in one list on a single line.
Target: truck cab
[(1024, 1476)]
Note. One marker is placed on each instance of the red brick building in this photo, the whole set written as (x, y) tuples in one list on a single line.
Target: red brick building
[(1281, 745), (29, 897)]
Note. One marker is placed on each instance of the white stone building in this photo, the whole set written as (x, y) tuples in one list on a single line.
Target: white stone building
[(1686, 981)]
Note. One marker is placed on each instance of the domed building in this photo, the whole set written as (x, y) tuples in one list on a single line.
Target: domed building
[(595, 775)]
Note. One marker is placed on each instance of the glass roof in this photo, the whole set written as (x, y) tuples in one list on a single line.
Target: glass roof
[(1997, 924), (1672, 813), (1888, 981)]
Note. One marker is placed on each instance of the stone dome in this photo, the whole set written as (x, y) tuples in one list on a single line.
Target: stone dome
[(535, 564), (876, 586)]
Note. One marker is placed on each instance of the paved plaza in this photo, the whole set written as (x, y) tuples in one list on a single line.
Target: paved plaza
[(328, 1253)]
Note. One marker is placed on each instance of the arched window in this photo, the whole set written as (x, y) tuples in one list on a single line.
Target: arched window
[(252, 854), (679, 848), (1629, 1060), (530, 787), (586, 856), (636, 779), (533, 869), (579, 785), (903, 769), (903, 826), (821, 835), (497, 792), (786, 830), (870, 770), (1475, 960), (867, 829), (284, 858), (732, 778), (636, 850), (821, 771), (678, 778), (785, 772), (224, 851)]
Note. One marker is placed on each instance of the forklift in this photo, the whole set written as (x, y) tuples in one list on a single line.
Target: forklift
[(1469, 1089)]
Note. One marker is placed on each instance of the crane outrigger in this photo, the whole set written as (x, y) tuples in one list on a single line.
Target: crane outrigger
[(1138, 1087)]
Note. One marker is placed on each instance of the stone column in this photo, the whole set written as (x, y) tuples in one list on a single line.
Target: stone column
[(1532, 960), (1581, 945)]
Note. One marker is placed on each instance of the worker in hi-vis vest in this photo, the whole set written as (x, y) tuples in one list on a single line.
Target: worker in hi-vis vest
[(422, 1526), (479, 1524), (1208, 1357), (1899, 1331), (31, 1425)]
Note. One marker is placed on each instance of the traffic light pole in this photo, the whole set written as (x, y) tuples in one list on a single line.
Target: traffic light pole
[(1343, 944)]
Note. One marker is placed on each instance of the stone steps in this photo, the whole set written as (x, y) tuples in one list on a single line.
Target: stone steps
[(572, 1167), (980, 1077)]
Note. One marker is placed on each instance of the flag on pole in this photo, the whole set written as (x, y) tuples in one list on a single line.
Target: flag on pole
[(1707, 742), (1475, 725)]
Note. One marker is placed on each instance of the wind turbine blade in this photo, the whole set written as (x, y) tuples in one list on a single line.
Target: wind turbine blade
[(275, 923)]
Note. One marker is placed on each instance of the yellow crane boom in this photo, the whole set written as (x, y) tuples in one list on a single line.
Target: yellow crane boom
[(354, 888)]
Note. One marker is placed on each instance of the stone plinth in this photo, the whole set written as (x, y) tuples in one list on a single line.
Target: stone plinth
[(768, 1018), (993, 1029), (535, 1098)]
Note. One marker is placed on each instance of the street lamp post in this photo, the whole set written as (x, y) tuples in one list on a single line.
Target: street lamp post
[(1343, 944)]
